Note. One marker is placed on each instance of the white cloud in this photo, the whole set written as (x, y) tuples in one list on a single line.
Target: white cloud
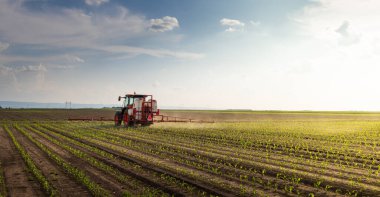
[(232, 24), (331, 19), (342, 30), (24, 78), (255, 23), (336, 39), (74, 59), (152, 52), (4, 70), (231, 29), (35, 68), (95, 2), (67, 27), (167, 23), (26, 68), (47, 60), (347, 37), (3, 46), (74, 28)]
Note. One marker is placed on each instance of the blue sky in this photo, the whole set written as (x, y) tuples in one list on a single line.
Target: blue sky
[(256, 54)]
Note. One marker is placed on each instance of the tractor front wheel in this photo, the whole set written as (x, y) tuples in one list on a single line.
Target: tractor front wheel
[(126, 120), (117, 119)]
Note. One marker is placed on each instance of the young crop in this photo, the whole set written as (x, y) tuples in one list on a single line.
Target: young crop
[(285, 157), (31, 165), (93, 161), (78, 174)]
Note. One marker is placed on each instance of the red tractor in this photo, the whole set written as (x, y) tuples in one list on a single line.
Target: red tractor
[(138, 109)]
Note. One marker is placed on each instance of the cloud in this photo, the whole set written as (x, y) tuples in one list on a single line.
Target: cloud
[(3, 46), (26, 68), (47, 60), (167, 23), (347, 37), (67, 27), (24, 78), (339, 21), (4, 70), (342, 30), (71, 28), (74, 59), (95, 2), (232, 24), (151, 52), (35, 68), (255, 23)]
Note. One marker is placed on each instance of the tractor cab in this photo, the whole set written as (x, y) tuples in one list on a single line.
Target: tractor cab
[(127, 101), (136, 109)]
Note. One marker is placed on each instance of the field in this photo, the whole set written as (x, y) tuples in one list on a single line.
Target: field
[(244, 153)]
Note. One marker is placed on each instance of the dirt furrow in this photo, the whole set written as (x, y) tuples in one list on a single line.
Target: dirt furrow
[(279, 150), (64, 184), (340, 182), (244, 154), (145, 178), (95, 174), (203, 185), (245, 160), (195, 150), (236, 143), (262, 187), (18, 181)]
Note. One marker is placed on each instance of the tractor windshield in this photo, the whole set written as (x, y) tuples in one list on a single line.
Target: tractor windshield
[(128, 101)]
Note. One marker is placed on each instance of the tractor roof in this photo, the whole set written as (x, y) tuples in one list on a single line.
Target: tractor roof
[(137, 95)]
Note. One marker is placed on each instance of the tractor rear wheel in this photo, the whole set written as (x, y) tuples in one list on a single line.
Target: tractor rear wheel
[(117, 118)]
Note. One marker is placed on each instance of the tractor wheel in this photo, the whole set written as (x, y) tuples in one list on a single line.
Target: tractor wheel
[(117, 119), (126, 120)]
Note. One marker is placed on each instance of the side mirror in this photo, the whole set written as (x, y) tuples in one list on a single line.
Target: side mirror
[(119, 98)]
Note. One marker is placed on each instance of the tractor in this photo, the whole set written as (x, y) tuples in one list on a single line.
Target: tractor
[(137, 109)]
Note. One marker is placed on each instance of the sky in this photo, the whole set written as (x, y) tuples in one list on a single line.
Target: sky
[(217, 54)]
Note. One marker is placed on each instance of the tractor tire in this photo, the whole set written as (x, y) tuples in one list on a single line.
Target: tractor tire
[(126, 120), (117, 118)]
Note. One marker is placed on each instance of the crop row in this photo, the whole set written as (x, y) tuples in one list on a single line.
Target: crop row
[(31, 165), (353, 180), (193, 177), (227, 172), (254, 177), (162, 174), (266, 151), (222, 161), (109, 168), (212, 148)]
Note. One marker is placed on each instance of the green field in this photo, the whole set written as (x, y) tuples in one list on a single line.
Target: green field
[(245, 153)]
